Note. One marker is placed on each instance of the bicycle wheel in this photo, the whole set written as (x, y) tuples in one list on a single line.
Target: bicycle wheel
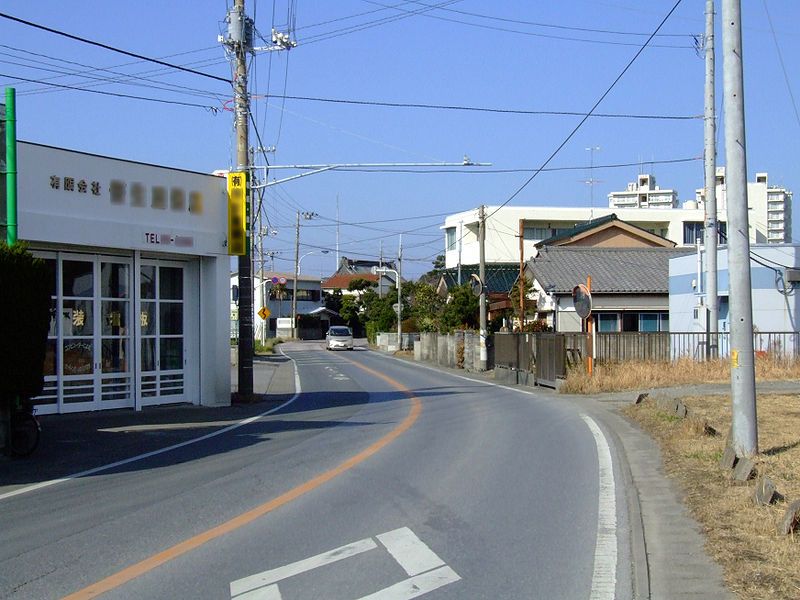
[(24, 435)]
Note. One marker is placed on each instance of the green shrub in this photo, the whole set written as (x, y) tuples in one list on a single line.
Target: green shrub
[(25, 309)]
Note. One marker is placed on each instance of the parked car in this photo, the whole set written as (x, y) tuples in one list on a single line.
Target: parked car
[(339, 337)]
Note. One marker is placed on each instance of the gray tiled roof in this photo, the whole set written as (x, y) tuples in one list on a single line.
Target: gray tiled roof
[(613, 270)]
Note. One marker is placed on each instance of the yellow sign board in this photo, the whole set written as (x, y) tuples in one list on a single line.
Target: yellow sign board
[(264, 313), (237, 213)]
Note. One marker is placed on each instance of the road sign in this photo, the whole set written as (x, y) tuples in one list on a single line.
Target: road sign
[(264, 313), (582, 299), (275, 280), (282, 280)]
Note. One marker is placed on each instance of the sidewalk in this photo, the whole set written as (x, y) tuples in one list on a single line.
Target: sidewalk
[(72, 443)]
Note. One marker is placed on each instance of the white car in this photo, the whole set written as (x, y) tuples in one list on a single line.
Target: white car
[(339, 337)]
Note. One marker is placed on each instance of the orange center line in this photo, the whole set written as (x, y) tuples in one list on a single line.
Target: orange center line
[(148, 564)]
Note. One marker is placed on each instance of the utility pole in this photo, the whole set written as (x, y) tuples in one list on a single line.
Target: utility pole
[(10, 142), (239, 42), (307, 216), (710, 132), (521, 275), (294, 279), (380, 277), (482, 275), (591, 150), (399, 297), (743, 393), (460, 240)]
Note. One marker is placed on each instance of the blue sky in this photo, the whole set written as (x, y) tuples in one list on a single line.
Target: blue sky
[(523, 55)]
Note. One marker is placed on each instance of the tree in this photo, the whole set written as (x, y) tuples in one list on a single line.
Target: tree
[(280, 292), (360, 285), (462, 310), (425, 306), (529, 306)]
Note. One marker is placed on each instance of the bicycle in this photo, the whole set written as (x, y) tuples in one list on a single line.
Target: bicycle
[(25, 429)]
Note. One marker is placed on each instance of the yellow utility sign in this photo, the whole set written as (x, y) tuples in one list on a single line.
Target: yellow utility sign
[(264, 313), (237, 213)]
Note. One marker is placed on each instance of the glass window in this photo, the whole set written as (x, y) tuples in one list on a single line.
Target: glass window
[(50, 266), (114, 317), (171, 354), (148, 283), (535, 233), (147, 318), (78, 318), (170, 285), (171, 318), (630, 321), (648, 322), (78, 278), (664, 317), (78, 357), (607, 322), (450, 238), (115, 356), (149, 354), (114, 280), (692, 231)]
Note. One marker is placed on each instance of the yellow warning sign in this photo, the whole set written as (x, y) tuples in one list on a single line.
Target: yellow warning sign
[(264, 313)]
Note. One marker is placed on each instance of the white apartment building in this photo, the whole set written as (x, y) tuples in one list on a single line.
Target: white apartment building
[(643, 193), (643, 204), (769, 208)]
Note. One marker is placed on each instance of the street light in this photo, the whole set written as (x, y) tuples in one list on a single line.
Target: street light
[(381, 271)]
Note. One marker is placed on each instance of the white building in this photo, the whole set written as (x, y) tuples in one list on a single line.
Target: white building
[(644, 205), (769, 208), (643, 193), (139, 274)]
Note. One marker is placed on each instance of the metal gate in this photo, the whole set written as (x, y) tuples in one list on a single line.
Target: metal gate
[(550, 358)]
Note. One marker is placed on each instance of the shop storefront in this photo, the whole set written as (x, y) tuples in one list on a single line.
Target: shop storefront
[(139, 280)]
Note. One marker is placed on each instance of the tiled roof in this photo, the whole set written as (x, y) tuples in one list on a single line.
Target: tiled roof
[(340, 281), (613, 270), (500, 277)]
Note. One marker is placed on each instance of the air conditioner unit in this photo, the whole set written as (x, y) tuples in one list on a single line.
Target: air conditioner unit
[(792, 275)]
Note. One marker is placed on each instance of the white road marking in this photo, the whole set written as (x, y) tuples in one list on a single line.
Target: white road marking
[(409, 551), (604, 576), (416, 586), (119, 463), (428, 571), (267, 578)]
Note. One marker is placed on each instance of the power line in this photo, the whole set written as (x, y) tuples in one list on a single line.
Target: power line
[(112, 48), (533, 34), (513, 111), (212, 109)]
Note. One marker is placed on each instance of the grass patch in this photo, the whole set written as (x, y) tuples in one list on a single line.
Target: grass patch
[(740, 536), (638, 375), (267, 347)]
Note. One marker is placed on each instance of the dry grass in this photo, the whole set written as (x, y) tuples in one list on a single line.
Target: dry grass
[(640, 375), (740, 536)]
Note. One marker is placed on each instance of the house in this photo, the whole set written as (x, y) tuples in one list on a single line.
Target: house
[(607, 232), (629, 286), (775, 283), (645, 206), (498, 281), (350, 270), (273, 290)]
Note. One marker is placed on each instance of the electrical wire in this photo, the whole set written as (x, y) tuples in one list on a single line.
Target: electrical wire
[(212, 109), (783, 66), (512, 111), (541, 35), (112, 48)]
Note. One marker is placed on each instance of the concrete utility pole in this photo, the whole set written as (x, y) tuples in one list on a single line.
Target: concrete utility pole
[(521, 275), (710, 131), (399, 298), (240, 32), (482, 275), (307, 216), (743, 385)]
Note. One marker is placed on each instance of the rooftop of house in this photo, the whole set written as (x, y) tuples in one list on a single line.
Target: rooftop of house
[(613, 270)]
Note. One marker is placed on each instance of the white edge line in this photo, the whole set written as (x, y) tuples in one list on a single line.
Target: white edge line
[(119, 463), (604, 575)]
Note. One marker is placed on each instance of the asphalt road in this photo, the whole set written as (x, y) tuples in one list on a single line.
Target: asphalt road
[(380, 479)]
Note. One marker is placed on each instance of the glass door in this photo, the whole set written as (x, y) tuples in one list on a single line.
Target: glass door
[(78, 353), (115, 334), (161, 322)]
